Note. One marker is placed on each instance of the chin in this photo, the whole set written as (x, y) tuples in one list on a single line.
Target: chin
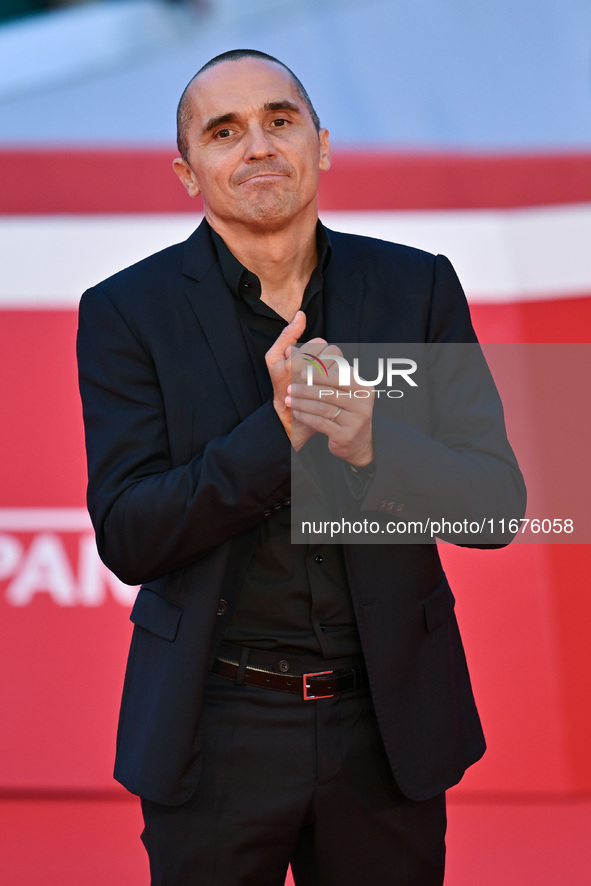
[(272, 211)]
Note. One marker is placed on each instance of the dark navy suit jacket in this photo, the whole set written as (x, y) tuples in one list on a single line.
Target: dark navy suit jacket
[(184, 460)]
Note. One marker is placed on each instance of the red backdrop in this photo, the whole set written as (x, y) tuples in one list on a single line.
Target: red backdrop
[(64, 626)]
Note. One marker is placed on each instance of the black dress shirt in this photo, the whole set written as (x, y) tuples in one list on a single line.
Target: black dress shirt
[(295, 598)]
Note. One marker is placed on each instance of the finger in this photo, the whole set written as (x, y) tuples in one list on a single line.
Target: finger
[(332, 350), (306, 355), (325, 362), (325, 409), (308, 349), (319, 393), (319, 423)]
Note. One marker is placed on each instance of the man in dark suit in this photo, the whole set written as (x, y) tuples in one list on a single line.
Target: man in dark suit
[(305, 704)]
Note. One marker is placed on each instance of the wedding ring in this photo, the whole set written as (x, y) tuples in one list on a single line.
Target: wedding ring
[(337, 413)]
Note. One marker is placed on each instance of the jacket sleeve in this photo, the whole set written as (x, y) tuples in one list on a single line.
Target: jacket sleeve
[(152, 516), (454, 462)]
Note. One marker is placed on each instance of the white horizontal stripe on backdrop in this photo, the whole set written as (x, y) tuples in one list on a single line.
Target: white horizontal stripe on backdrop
[(500, 255)]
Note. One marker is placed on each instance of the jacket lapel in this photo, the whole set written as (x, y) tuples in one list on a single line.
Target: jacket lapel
[(343, 295), (213, 304)]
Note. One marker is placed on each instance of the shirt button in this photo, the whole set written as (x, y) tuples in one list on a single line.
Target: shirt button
[(322, 627), (222, 607), (284, 666), (318, 558), (246, 284)]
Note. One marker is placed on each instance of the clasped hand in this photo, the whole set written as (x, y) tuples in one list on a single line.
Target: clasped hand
[(343, 413)]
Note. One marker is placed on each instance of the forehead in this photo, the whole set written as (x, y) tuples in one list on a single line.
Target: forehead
[(235, 87)]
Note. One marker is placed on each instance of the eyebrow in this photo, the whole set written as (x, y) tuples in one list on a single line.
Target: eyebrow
[(231, 117), (217, 121), (283, 105)]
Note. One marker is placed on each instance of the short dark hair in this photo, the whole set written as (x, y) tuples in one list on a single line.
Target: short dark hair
[(183, 111)]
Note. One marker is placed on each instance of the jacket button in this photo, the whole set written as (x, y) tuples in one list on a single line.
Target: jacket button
[(222, 607), (284, 666)]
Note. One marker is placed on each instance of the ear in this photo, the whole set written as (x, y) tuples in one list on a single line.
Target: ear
[(324, 163), (187, 176)]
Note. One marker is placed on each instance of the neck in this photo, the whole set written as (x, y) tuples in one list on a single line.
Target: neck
[(282, 259)]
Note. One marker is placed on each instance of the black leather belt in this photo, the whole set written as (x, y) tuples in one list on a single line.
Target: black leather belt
[(319, 684)]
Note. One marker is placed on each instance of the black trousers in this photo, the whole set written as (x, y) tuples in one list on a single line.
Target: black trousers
[(287, 781)]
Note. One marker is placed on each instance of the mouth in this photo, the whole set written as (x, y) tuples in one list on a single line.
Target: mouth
[(263, 177), (262, 173)]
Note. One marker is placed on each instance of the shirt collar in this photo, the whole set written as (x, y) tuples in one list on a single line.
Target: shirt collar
[(243, 282)]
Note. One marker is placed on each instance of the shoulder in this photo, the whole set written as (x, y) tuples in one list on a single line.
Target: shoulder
[(371, 249), (147, 270), (420, 288), (158, 275), (393, 266)]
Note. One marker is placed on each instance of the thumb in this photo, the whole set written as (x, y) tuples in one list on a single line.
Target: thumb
[(288, 337)]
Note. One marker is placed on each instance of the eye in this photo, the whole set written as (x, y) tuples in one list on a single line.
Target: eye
[(278, 122), (223, 133)]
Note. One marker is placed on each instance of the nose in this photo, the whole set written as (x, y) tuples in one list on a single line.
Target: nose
[(259, 145)]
